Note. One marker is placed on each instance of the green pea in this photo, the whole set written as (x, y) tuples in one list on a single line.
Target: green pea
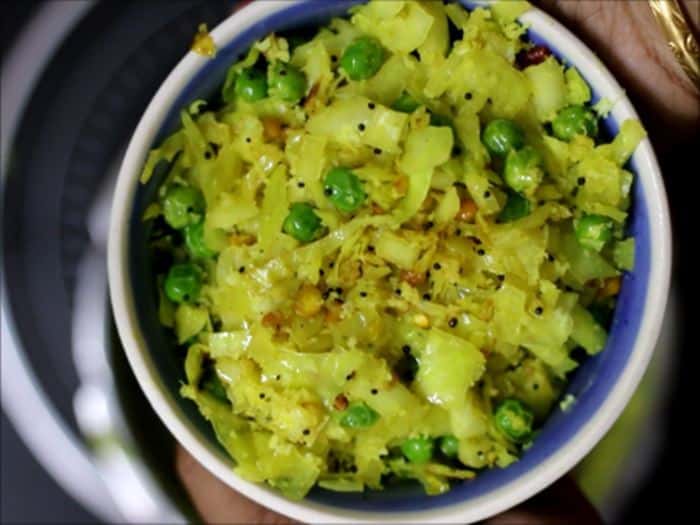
[(514, 419), (523, 170), (575, 120), (516, 208), (344, 189), (501, 136), (593, 231), (418, 449), (302, 223), (182, 205), (286, 82), (363, 58), (449, 446), (358, 415), (183, 282), (251, 85), (194, 241), (405, 103)]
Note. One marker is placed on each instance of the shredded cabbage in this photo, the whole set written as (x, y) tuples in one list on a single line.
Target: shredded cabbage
[(417, 312)]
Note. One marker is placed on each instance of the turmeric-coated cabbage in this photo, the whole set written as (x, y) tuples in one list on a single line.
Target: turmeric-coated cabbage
[(345, 261)]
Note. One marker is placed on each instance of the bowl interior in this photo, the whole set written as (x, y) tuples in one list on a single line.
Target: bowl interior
[(590, 383)]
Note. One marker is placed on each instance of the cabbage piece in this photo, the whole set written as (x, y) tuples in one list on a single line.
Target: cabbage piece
[(405, 29), (448, 206), (381, 9), (290, 469), (195, 143), (457, 14), (313, 59), (189, 321), (577, 90), (231, 304), (307, 159), (166, 309), (287, 414), (378, 183), (434, 48), (232, 344), (603, 107), (549, 88), (519, 250), (469, 419), (425, 148), (482, 30), (166, 152), (478, 184), (214, 131), (545, 335), (556, 157), (229, 296), (152, 211), (484, 74), (370, 449), (625, 142), (507, 11), (623, 254), (273, 48), (275, 207), (508, 313), (586, 331), (584, 264), (351, 122), (194, 363), (468, 129), (532, 382), (448, 366), (341, 485), (397, 250), (219, 175), (484, 451), (604, 184), (229, 210)]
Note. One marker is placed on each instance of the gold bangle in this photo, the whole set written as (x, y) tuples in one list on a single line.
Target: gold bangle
[(681, 40)]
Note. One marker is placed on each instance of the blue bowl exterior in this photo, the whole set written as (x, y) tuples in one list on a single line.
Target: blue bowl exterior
[(590, 384)]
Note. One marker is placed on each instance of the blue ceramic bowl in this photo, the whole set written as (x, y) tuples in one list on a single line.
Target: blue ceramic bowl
[(602, 386)]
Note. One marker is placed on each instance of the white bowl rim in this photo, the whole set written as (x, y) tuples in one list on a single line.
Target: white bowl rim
[(475, 509)]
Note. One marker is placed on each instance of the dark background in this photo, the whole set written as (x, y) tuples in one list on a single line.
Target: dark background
[(29, 495)]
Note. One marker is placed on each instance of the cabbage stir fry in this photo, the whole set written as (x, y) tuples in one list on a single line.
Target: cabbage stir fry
[(385, 247)]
